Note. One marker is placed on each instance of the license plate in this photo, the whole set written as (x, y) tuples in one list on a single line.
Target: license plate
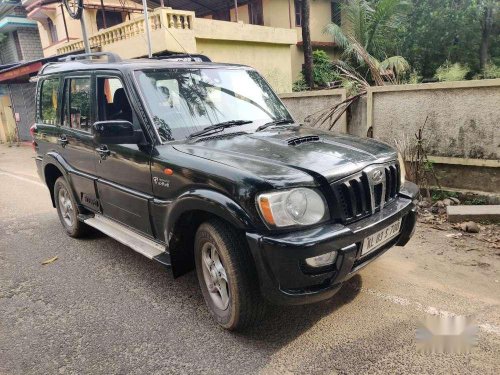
[(380, 238)]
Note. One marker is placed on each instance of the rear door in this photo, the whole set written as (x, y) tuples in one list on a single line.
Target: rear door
[(76, 138), (124, 184), (48, 117)]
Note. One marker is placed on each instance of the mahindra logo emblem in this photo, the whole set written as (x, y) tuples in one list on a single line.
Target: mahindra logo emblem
[(377, 176)]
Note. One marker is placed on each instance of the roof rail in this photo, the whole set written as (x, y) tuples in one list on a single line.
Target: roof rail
[(184, 57), (40, 72), (112, 57)]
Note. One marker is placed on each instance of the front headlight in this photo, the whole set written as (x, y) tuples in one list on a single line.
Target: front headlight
[(402, 168), (300, 206)]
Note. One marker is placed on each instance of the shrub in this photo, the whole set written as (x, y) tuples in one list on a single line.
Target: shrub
[(323, 72), (451, 72), (491, 71), (414, 78), (300, 84)]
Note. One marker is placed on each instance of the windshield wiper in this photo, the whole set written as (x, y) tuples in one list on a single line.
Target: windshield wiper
[(219, 126), (281, 121)]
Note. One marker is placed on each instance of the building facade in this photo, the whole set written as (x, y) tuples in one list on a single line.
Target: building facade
[(265, 34), (19, 42)]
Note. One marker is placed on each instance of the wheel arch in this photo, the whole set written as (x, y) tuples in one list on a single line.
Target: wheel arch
[(185, 216), (54, 166), (51, 174)]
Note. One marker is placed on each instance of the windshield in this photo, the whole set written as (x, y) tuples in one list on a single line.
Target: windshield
[(184, 101)]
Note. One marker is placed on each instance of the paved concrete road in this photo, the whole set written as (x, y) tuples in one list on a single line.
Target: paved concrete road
[(103, 309)]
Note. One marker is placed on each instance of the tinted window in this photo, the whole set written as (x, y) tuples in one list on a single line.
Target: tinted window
[(48, 101), (77, 112), (113, 103)]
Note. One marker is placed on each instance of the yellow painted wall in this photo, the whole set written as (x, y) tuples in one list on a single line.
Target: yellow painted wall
[(273, 61), (7, 123), (179, 41), (297, 61), (222, 30), (320, 16), (276, 13), (243, 15)]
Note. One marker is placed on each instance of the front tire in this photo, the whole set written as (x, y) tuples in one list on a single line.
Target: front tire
[(67, 209), (227, 276)]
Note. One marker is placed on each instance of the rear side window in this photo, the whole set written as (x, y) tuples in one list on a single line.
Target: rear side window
[(48, 101), (77, 95)]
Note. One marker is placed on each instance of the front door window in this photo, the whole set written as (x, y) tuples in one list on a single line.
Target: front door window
[(112, 101)]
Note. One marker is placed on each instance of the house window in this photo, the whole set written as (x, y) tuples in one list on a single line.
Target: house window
[(19, 51), (256, 13), (298, 13), (336, 12), (105, 19), (52, 31)]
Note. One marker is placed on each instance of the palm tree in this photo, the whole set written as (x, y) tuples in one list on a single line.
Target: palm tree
[(307, 45), (364, 24)]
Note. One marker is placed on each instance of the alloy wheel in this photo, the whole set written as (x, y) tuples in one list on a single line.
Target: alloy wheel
[(66, 207), (215, 276)]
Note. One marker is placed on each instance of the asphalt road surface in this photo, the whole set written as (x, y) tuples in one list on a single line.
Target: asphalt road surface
[(101, 308)]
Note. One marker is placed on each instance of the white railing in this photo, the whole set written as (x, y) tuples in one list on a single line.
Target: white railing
[(160, 18)]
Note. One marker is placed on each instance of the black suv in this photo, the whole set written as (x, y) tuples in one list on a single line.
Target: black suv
[(199, 165)]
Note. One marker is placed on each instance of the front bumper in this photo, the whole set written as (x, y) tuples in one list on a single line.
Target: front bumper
[(279, 259)]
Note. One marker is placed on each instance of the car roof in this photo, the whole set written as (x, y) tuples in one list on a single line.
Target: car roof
[(129, 65)]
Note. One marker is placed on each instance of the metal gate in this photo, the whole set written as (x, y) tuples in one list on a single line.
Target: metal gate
[(24, 103)]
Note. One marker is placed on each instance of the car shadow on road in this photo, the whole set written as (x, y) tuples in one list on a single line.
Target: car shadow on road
[(280, 325), (298, 319)]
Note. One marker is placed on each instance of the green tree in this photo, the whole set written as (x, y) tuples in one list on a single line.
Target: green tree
[(363, 36), (488, 11), (458, 31)]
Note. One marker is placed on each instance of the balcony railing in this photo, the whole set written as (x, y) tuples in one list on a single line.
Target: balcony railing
[(165, 18)]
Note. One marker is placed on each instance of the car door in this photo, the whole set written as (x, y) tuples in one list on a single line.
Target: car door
[(48, 130), (124, 185), (76, 138)]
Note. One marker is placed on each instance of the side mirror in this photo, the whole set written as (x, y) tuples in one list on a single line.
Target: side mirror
[(116, 133)]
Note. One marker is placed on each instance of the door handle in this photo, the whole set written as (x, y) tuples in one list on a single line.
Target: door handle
[(63, 141), (103, 152)]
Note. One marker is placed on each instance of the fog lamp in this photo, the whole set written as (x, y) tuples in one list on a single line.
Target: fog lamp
[(322, 260)]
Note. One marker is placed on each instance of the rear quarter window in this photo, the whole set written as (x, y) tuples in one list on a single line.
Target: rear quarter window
[(49, 101)]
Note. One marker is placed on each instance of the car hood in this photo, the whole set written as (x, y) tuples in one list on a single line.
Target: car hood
[(291, 154)]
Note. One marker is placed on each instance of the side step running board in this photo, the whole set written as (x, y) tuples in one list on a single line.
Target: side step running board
[(150, 249)]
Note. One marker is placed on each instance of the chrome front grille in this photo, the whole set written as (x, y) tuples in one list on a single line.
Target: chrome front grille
[(366, 192)]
